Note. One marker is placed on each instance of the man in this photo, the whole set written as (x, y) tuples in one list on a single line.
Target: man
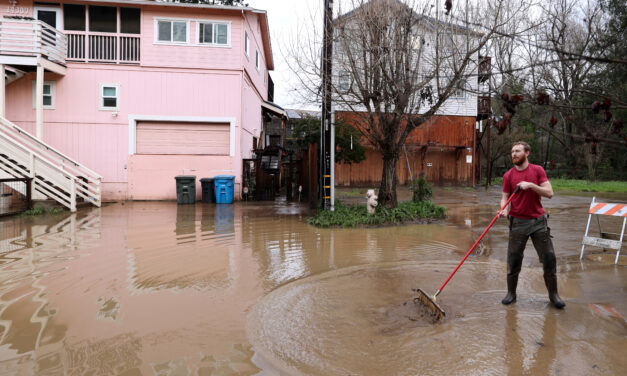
[(527, 219)]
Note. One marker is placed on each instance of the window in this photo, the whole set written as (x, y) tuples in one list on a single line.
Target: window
[(103, 19), (460, 92), (344, 81), (257, 62), (171, 31), (213, 33), (74, 17), (49, 94), (130, 20), (246, 44), (109, 97)]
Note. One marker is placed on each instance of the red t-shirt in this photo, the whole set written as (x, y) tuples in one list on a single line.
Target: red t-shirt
[(526, 204)]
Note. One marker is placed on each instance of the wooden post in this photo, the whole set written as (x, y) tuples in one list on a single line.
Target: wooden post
[(288, 184), (39, 103)]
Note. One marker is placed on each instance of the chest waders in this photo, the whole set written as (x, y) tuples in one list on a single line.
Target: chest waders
[(520, 230)]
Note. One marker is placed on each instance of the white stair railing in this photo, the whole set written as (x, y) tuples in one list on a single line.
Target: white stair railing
[(54, 175)]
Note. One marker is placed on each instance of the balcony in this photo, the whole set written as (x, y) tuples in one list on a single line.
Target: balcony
[(103, 47), (485, 68), (484, 109), (24, 41)]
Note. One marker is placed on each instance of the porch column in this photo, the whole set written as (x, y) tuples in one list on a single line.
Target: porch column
[(2, 91), (39, 103)]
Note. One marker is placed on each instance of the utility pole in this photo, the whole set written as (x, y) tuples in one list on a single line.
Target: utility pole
[(326, 129)]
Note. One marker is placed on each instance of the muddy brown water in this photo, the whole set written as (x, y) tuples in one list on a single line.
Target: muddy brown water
[(155, 288)]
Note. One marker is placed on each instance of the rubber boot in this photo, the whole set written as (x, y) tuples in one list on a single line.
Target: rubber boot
[(512, 282), (550, 279)]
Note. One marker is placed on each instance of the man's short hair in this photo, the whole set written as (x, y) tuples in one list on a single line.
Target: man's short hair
[(524, 144)]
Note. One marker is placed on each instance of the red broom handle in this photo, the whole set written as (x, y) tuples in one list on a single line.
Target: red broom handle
[(477, 242)]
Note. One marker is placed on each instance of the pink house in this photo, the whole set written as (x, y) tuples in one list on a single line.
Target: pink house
[(133, 92)]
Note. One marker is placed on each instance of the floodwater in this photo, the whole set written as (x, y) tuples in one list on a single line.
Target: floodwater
[(154, 288)]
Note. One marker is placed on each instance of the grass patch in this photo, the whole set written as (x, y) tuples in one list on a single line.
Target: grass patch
[(352, 216), (574, 185), (588, 186)]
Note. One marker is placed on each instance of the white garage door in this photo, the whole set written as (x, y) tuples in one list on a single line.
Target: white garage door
[(182, 138)]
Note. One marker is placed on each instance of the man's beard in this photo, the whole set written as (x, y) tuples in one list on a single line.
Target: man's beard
[(521, 160)]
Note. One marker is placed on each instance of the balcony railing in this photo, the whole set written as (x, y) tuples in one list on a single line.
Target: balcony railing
[(103, 47), (32, 38)]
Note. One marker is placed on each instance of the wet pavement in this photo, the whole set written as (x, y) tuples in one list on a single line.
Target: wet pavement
[(143, 288)]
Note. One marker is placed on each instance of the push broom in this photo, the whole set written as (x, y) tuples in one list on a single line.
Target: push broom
[(430, 301)]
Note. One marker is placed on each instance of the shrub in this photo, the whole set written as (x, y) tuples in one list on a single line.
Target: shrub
[(421, 189), (351, 216)]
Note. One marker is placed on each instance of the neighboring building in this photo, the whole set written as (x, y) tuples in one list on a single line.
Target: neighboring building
[(137, 91), (444, 147)]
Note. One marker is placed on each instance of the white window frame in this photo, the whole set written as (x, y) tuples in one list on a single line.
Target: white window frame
[(460, 88), (101, 97), (214, 23), (53, 90), (461, 85), (171, 20), (257, 60), (246, 45)]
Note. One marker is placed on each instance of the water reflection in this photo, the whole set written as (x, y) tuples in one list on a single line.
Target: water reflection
[(200, 256), (530, 346), (31, 249)]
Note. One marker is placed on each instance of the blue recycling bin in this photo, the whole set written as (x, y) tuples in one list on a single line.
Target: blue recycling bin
[(224, 188)]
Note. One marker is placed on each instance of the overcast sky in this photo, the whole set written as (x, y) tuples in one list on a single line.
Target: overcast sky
[(284, 17)]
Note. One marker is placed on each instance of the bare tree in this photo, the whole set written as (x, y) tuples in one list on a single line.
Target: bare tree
[(396, 63), (553, 81)]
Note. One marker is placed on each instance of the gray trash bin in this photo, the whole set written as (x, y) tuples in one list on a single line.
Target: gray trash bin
[(208, 190), (185, 189)]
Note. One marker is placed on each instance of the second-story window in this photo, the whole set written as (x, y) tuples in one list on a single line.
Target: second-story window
[(172, 31), (213, 33), (74, 17), (130, 21), (103, 19), (257, 60)]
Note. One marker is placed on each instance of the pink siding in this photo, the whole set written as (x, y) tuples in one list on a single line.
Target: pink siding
[(151, 177), (251, 118), (21, 4), (252, 26), (84, 143)]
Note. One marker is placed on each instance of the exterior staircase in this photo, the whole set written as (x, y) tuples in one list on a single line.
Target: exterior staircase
[(55, 176)]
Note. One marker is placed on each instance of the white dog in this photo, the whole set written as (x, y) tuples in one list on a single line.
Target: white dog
[(371, 201)]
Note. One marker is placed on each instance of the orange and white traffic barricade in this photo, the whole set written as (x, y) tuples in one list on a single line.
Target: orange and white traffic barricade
[(606, 239)]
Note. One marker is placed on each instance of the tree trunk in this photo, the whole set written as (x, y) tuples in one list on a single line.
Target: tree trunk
[(387, 190)]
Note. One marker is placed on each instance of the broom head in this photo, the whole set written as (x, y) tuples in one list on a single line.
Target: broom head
[(429, 302)]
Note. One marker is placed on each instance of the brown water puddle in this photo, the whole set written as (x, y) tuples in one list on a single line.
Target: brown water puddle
[(156, 288)]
